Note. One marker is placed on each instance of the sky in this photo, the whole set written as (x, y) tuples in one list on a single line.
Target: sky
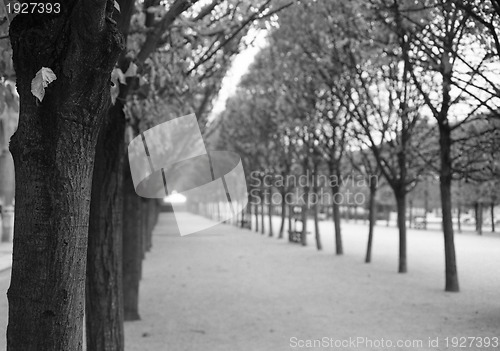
[(239, 67)]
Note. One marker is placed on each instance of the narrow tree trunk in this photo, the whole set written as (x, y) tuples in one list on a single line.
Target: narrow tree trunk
[(248, 210), (480, 219), (371, 221), (316, 228), (445, 179), (256, 212), (316, 206), (459, 218), (104, 299), (305, 208), (270, 212), (283, 213), (132, 247), (492, 209), (262, 215), (426, 204), (53, 151), (290, 228), (476, 215), (339, 249), (401, 206)]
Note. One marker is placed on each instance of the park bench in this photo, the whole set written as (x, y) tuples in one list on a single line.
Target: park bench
[(420, 222), (245, 223)]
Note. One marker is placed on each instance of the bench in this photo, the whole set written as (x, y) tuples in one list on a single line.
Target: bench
[(420, 222), (294, 236), (245, 223)]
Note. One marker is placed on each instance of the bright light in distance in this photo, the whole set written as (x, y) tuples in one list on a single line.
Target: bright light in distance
[(175, 198)]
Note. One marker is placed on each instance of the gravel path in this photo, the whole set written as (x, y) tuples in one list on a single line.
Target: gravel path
[(232, 289)]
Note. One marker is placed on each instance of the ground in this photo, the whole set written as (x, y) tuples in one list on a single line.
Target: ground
[(234, 289)]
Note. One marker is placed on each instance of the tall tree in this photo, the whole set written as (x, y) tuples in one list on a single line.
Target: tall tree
[(53, 151)]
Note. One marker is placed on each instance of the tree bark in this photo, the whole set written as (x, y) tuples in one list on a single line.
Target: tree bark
[(256, 212), (401, 207), (132, 246), (492, 209), (53, 150), (316, 228), (316, 206), (305, 208), (480, 218), (339, 249), (445, 179), (371, 221), (459, 218), (270, 212), (283, 213), (104, 299), (262, 215)]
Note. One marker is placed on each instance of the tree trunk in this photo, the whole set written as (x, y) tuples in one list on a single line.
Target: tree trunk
[(270, 210), (132, 246), (316, 206), (316, 228), (339, 249), (371, 221), (262, 216), (104, 299), (283, 213), (248, 210), (445, 179), (426, 203), (476, 216), (256, 212), (492, 209), (53, 151), (480, 219), (401, 207), (290, 214), (459, 218), (305, 208)]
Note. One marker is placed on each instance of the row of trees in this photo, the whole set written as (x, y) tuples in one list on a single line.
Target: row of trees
[(80, 229), (396, 89)]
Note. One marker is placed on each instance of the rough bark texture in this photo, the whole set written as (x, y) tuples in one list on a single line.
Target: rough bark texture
[(53, 151), (132, 246), (445, 179), (104, 299), (401, 208), (371, 221)]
